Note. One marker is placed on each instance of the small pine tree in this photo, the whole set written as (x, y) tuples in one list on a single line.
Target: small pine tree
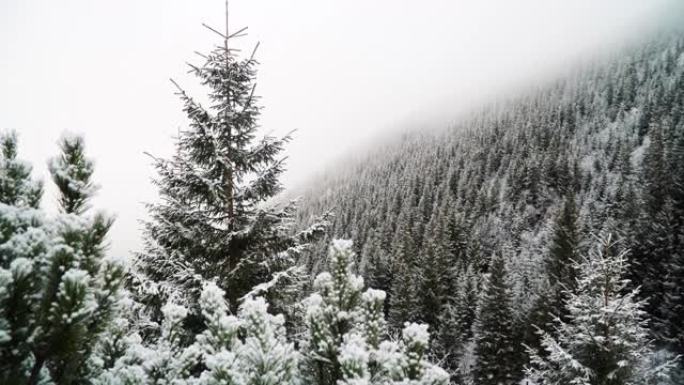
[(605, 341)]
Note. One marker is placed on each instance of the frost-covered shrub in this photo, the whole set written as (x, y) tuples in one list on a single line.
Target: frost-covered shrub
[(347, 341), (58, 292), (247, 348)]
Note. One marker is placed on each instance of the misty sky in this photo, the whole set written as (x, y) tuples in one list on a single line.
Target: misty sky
[(340, 72)]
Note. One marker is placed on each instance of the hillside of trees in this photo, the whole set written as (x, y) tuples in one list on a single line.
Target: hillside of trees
[(523, 189), (540, 241)]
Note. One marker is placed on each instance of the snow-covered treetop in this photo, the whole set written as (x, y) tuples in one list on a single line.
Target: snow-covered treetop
[(72, 172), (16, 186)]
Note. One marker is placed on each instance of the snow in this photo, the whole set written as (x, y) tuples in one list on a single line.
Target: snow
[(174, 313), (417, 333), (374, 296)]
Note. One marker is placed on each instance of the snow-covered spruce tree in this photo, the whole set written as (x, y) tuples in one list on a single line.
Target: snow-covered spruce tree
[(560, 261), (605, 340), (496, 341), (437, 273), (456, 321), (58, 290), (212, 221), (346, 342), (404, 304)]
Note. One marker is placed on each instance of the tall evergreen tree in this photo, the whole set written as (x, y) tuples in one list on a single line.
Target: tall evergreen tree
[(653, 241), (213, 221), (560, 262), (456, 324), (404, 302), (497, 346), (437, 273)]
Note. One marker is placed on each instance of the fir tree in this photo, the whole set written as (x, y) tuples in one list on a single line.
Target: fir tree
[(404, 303), (605, 341), (456, 321), (496, 345), (562, 254), (436, 273), (212, 222)]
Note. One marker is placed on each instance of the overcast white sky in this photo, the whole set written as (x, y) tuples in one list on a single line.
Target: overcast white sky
[(338, 71)]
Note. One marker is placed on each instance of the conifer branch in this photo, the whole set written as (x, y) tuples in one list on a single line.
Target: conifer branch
[(215, 31)]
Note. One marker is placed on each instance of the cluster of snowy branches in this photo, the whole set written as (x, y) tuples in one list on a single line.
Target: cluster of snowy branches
[(58, 292), (344, 341)]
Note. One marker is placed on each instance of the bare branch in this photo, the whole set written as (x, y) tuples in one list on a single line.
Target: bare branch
[(182, 91), (237, 34), (215, 31), (249, 100), (254, 51), (151, 156)]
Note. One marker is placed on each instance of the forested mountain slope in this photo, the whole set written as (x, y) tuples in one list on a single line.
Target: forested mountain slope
[(532, 182)]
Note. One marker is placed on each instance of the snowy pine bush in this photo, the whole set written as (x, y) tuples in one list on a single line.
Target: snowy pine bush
[(347, 341), (59, 292), (248, 348)]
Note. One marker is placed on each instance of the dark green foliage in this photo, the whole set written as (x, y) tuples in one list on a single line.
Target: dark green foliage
[(496, 343), (562, 256), (455, 324)]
